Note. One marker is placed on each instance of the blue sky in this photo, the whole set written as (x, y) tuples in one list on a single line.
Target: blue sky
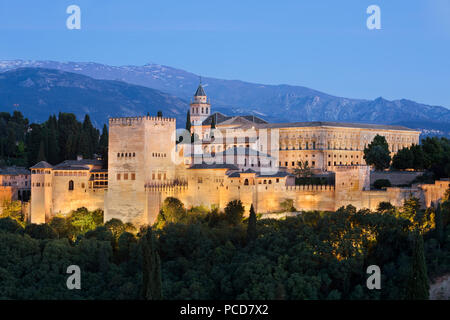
[(324, 45)]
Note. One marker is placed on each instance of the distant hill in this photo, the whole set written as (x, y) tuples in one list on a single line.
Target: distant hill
[(276, 103), (38, 92)]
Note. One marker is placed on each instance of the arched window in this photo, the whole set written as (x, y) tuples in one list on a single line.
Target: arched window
[(70, 185), (246, 182)]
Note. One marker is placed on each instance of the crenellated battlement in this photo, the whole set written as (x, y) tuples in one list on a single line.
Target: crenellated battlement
[(138, 120), (166, 187), (311, 188)]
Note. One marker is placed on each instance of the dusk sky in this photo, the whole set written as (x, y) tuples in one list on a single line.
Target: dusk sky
[(324, 45)]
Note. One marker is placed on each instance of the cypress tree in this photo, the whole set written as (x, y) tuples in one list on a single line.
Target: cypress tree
[(418, 287), (152, 287), (41, 154), (103, 146), (213, 126), (188, 121), (52, 140), (251, 227), (439, 224)]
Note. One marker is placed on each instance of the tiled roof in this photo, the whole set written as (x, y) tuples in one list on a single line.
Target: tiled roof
[(222, 119), (200, 92), (82, 162), (279, 174), (213, 166), (14, 171), (242, 151), (60, 167), (42, 165), (333, 124)]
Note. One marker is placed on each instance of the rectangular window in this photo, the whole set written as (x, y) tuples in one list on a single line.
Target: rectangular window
[(118, 176), (133, 176), (153, 176), (125, 176), (159, 175)]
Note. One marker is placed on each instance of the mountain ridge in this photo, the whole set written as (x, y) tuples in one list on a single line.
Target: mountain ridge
[(277, 103), (33, 90)]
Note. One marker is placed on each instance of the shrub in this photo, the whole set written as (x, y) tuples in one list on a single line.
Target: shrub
[(381, 183)]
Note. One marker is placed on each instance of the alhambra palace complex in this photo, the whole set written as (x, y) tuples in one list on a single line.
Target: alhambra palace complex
[(240, 157)]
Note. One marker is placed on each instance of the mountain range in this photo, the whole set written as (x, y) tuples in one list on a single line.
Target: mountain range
[(103, 90)]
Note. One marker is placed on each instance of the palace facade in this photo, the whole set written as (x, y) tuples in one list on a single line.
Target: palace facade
[(222, 159)]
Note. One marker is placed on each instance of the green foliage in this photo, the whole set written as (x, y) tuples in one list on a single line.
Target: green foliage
[(251, 226), (41, 231), (10, 225), (287, 205), (417, 286), (377, 153), (234, 212), (58, 139), (315, 255), (188, 121), (13, 210), (385, 207), (302, 170), (152, 287), (381, 183), (172, 211), (432, 154)]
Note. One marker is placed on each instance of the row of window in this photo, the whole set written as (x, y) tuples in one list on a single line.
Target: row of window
[(38, 184), (40, 171), (126, 155), (159, 176), (195, 110), (340, 163), (9, 184), (159, 155), (126, 176), (286, 163), (70, 174)]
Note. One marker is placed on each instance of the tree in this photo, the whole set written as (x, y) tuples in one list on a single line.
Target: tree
[(41, 154), (213, 122), (234, 211), (381, 184), (418, 286), (385, 207), (403, 159), (377, 153), (103, 146), (172, 211), (410, 208), (251, 227), (159, 114), (151, 268), (439, 224), (288, 205), (188, 121), (303, 170)]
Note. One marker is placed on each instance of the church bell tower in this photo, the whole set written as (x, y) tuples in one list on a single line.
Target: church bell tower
[(200, 107)]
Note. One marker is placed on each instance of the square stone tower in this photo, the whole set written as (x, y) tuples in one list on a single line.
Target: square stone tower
[(140, 154)]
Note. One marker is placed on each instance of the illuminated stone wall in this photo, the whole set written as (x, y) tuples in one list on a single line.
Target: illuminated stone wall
[(140, 153)]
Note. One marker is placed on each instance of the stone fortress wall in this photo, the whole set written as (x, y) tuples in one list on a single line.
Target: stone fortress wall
[(145, 166)]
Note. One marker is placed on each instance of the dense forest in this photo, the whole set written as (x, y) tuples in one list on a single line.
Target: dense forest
[(206, 254), (57, 139), (433, 155)]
